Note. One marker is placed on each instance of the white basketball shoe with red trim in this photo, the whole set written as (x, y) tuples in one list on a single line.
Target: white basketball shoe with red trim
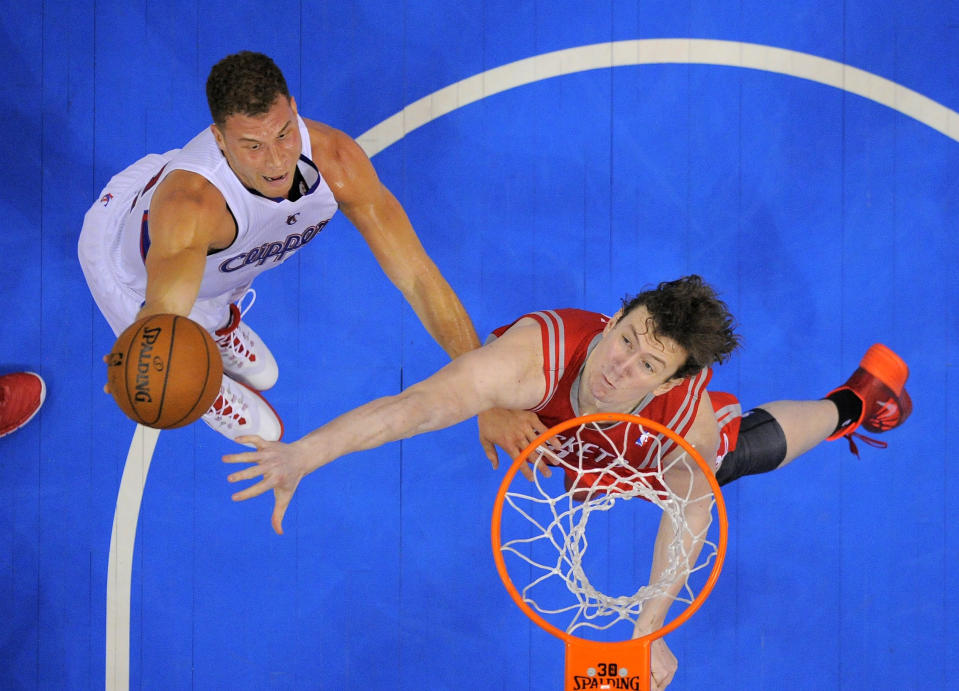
[(240, 410), (245, 357)]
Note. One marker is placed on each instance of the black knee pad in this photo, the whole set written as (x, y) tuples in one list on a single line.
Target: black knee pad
[(761, 447)]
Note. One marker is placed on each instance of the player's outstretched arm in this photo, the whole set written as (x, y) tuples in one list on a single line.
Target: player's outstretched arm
[(504, 373), (386, 228), (684, 478), (187, 218), (662, 665)]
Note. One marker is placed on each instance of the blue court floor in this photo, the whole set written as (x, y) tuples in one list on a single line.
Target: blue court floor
[(802, 156)]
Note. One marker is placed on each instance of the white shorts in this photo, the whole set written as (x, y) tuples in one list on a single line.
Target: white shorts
[(98, 250)]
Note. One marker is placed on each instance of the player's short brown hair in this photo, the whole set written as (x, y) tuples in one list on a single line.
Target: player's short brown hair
[(689, 312), (246, 83)]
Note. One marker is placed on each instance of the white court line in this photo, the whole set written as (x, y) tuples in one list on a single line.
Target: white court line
[(469, 90), (660, 51), (120, 566)]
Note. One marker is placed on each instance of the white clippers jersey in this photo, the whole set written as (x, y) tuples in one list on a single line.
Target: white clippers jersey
[(269, 231)]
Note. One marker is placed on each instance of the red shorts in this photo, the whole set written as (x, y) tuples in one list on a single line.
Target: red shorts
[(729, 413)]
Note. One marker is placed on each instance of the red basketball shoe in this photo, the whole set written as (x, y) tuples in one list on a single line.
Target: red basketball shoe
[(21, 395), (879, 382)]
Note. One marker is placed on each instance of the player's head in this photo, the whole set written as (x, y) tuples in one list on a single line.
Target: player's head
[(689, 313), (245, 83), (657, 339), (254, 122)]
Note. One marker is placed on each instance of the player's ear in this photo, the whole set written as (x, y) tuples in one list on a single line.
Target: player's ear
[(612, 320), (670, 383), (293, 104), (218, 136)]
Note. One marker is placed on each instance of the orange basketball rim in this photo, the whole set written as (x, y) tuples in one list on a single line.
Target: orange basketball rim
[(596, 664)]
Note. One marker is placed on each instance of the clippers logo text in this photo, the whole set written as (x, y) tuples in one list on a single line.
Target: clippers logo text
[(272, 250)]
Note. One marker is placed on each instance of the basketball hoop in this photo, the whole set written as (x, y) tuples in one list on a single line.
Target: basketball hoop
[(542, 531)]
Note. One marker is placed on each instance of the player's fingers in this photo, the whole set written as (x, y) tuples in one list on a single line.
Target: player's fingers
[(281, 502), (490, 449), (542, 466), (527, 470), (277, 519), (253, 471), (253, 439), (515, 449), (242, 457), (252, 491), (538, 460), (550, 458)]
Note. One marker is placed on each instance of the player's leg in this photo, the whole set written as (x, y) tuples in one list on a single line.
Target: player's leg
[(245, 355), (246, 358), (248, 368), (774, 434), (760, 447), (237, 409), (804, 424)]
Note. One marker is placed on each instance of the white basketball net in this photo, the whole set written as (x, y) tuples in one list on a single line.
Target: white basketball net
[(557, 527)]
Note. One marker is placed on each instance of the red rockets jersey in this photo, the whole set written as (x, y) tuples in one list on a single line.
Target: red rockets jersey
[(568, 337)]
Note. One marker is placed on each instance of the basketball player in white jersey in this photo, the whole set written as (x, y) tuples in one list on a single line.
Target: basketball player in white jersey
[(186, 232)]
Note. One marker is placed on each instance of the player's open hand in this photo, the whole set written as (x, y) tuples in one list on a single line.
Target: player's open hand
[(512, 431), (281, 466)]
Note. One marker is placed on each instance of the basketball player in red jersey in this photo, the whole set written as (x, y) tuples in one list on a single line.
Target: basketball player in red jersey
[(652, 359), (187, 231)]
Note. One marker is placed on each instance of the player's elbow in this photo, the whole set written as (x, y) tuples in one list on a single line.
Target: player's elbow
[(427, 411)]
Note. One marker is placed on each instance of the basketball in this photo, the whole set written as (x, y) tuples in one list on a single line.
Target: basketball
[(164, 371)]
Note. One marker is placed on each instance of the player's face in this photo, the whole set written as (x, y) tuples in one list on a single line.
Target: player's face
[(628, 363), (263, 150)]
